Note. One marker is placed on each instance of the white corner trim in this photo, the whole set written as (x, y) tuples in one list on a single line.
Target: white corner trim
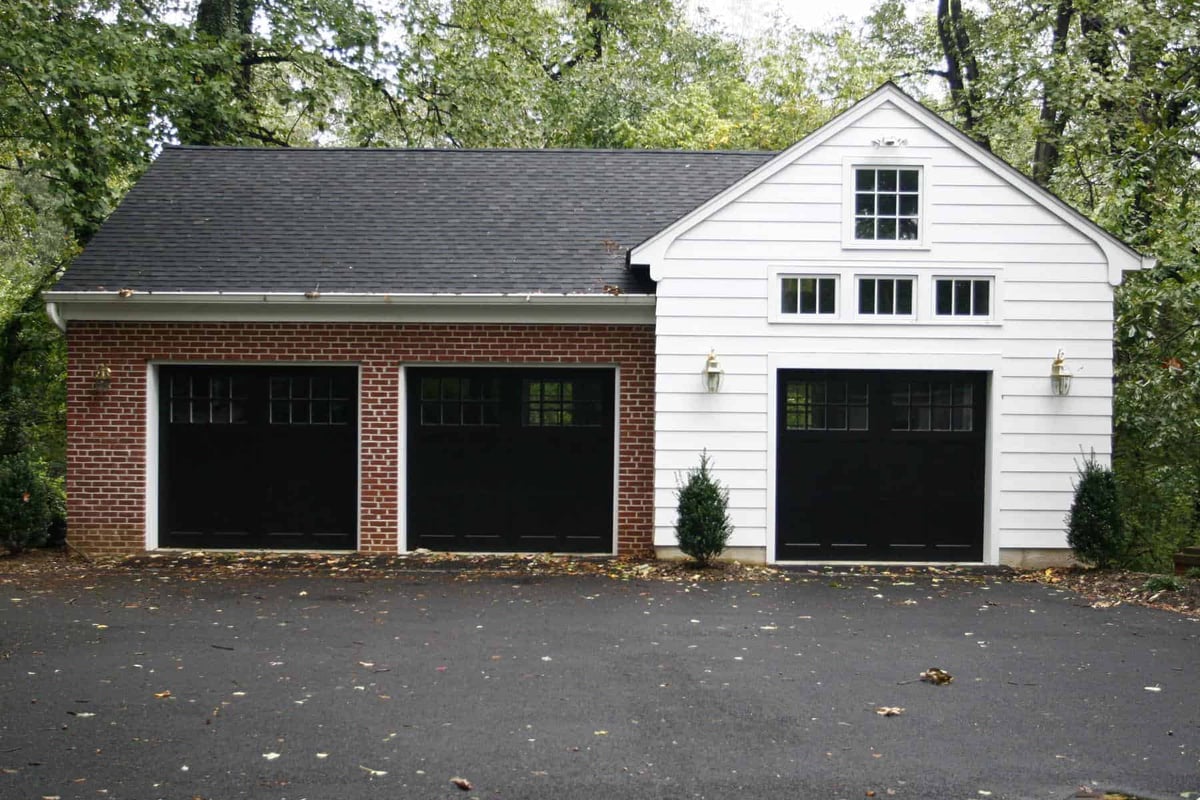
[(55, 317)]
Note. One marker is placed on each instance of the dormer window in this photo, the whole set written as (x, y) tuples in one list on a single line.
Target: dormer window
[(887, 204)]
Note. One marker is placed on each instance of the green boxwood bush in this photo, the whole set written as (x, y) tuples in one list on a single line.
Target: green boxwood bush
[(702, 526), (1095, 529), (31, 501)]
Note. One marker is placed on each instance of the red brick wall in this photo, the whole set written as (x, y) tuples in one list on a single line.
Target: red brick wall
[(106, 431)]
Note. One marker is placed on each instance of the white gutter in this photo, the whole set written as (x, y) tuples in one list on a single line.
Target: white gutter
[(55, 317), (53, 298)]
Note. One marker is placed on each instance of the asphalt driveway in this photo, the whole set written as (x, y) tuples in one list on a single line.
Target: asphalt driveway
[(183, 685)]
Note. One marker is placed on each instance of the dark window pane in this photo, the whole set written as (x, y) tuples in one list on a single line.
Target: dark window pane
[(491, 414), (981, 292), (551, 390), (818, 418), (817, 393), (864, 205), (470, 389), (909, 180), (900, 417), (908, 230), (945, 297), (919, 394), (962, 298), (339, 412), (472, 414), (220, 387), (181, 410), (431, 414), (887, 205), (534, 390), (866, 296), (429, 389), (299, 387), (320, 411), (919, 418), (941, 419), (281, 412), (904, 291), (887, 229), (859, 393), (887, 297), (450, 388), (864, 229), (887, 180), (220, 411), (964, 394), (837, 418), (941, 394), (808, 296), (237, 412), (299, 412), (858, 418), (826, 287), (790, 295), (864, 179), (836, 392), (908, 205)]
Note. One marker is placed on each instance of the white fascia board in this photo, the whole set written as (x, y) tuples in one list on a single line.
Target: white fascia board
[(349, 307), (1120, 256)]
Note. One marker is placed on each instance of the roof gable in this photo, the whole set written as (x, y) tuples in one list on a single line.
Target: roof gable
[(1120, 256)]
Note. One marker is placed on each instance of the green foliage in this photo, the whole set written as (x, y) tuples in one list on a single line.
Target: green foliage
[(1193, 573), (1163, 583), (30, 502), (702, 526), (1095, 530)]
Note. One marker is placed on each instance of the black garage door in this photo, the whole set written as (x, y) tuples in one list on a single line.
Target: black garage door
[(880, 466), (258, 457), (510, 459)]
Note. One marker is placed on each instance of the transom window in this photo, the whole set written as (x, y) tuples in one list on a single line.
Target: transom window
[(308, 400), (963, 297), (885, 296), (887, 202), (815, 296), (561, 404), (826, 405), (933, 406), (460, 401), (218, 400)]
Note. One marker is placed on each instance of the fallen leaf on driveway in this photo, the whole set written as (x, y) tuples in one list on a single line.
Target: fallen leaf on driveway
[(463, 784), (937, 676), (374, 773), (270, 756), (601, 733), (889, 711), (1153, 688), (162, 695)]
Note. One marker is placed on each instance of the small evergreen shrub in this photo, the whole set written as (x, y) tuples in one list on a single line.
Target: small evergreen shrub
[(702, 527), (1094, 526), (30, 502), (1163, 583)]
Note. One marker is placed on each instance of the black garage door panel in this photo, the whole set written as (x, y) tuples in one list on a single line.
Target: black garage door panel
[(258, 457), (884, 466), (510, 459)]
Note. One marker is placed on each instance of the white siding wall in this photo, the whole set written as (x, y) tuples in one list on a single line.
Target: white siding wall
[(1051, 293)]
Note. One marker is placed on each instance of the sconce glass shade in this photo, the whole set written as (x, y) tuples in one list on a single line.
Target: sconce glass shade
[(712, 373), (1060, 376)]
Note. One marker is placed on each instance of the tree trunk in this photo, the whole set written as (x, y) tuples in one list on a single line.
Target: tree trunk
[(962, 69), (1053, 119)]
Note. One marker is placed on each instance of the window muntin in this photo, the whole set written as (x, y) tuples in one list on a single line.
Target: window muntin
[(573, 403), (808, 296), (215, 400), (962, 297), (460, 401), (887, 204), (826, 405), (886, 296), (308, 400), (933, 406)]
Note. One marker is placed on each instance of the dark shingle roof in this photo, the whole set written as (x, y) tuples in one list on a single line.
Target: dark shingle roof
[(461, 221)]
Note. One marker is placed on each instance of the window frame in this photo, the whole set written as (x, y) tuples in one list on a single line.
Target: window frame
[(850, 167), (776, 296), (952, 318), (877, 317)]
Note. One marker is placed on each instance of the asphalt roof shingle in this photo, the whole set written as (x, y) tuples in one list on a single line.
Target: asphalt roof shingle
[(207, 219)]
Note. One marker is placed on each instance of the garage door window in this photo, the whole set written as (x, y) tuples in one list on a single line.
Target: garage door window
[(218, 400), (929, 406), (305, 400), (456, 401), (826, 405), (565, 404)]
